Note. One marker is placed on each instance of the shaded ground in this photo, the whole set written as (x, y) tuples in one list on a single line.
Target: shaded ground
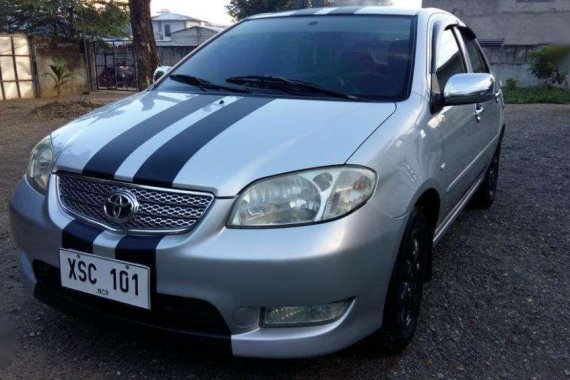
[(497, 308)]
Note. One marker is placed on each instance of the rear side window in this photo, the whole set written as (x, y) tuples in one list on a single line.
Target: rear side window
[(475, 55), (448, 58)]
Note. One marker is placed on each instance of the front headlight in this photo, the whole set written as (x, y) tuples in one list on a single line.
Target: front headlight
[(40, 164), (304, 197)]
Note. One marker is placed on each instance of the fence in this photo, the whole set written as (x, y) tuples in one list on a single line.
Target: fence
[(24, 65), (99, 65), (16, 70), (115, 65), (170, 55)]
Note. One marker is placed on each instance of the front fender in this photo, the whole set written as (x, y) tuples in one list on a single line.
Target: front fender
[(406, 153)]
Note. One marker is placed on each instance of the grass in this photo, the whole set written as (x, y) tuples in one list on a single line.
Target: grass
[(537, 95)]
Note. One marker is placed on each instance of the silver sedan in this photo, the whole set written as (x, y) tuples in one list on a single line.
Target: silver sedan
[(277, 192)]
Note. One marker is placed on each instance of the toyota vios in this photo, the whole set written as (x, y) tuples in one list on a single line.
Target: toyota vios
[(277, 192)]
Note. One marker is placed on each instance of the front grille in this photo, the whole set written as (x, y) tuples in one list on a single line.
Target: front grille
[(171, 312), (159, 210)]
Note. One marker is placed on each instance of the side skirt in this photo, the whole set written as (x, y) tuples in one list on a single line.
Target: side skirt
[(448, 222)]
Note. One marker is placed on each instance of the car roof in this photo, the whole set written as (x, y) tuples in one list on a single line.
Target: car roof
[(354, 10)]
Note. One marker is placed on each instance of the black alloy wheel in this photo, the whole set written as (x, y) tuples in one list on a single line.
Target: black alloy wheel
[(402, 308)]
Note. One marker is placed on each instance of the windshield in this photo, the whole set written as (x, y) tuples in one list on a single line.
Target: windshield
[(367, 57)]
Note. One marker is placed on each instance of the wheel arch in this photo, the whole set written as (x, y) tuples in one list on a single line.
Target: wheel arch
[(429, 202)]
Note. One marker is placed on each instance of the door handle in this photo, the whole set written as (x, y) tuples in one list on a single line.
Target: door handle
[(497, 96), (478, 111)]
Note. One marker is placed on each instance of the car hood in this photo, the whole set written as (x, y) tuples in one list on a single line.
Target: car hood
[(213, 143)]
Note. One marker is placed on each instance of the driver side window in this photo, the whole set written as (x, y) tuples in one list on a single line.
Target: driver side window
[(449, 60), (475, 55)]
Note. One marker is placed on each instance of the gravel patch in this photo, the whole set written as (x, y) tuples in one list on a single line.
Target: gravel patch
[(497, 306), (66, 110)]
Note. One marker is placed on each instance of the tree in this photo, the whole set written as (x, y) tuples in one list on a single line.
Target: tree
[(67, 19), (547, 63), (143, 41)]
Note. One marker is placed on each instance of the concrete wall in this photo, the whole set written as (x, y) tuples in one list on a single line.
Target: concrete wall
[(517, 22), (75, 62), (512, 62)]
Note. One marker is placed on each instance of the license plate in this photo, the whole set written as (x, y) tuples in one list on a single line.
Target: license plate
[(107, 278)]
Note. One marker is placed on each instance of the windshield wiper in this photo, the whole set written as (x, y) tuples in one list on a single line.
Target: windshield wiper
[(203, 84), (288, 85)]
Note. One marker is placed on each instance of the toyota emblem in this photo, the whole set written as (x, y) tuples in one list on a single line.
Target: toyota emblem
[(121, 206)]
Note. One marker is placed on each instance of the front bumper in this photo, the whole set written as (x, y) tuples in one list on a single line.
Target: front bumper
[(168, 324), (241, 271)]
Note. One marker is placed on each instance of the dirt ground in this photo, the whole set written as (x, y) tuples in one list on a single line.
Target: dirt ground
[(497, 307)]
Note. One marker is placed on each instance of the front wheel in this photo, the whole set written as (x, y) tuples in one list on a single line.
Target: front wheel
[(402, 308)]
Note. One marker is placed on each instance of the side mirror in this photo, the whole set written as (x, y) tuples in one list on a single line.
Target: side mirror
[(159, 72), (469, 89)]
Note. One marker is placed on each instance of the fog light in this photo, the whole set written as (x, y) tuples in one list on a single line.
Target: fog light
[(288, 316)]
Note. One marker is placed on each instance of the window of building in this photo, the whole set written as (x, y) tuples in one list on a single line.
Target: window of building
[(167, 32)]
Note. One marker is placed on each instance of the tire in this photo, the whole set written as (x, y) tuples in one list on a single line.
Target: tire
[(487, 191), (402, 307)]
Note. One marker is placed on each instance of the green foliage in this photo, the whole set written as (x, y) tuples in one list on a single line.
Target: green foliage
[(511, 84), (537, 95), (68, 19), (60, 74), (547, 62)]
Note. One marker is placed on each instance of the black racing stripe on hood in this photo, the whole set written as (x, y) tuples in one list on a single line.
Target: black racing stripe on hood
[(162, 167), (108, 159), (346, 10), (79, 236)]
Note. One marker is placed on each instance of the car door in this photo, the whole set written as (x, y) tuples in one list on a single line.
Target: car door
[(455, 123), (488, 119)]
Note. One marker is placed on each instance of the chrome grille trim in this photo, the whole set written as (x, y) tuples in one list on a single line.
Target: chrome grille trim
[(161, 211)]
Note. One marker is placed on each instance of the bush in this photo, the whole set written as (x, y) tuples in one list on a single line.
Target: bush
[(60, 74), (537, 95), (512, 84), (547, 62)]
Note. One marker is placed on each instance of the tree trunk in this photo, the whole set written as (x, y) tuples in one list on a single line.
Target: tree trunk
[(146, 54)]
